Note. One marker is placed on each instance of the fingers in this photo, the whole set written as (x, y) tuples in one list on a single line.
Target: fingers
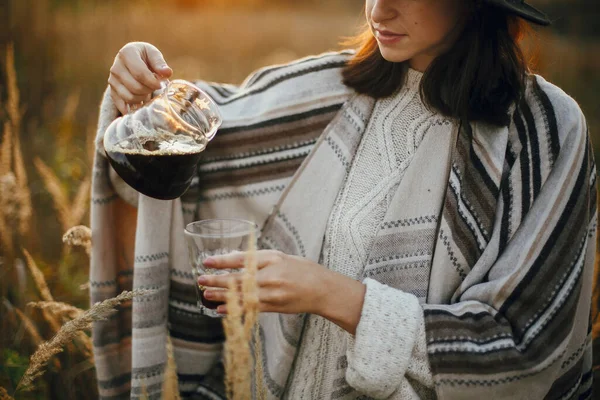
[(215, 295), (119, 103), (232, 260), (156, 61), (220, 281), (218, 285), (124, 76), (141, 73), (124, 93), (222, 309), (237, 260), (262, 308), (136, 73), (219, 296)]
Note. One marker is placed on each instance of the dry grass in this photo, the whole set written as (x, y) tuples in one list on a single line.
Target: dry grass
[(38, 278), (8, 187), (55, 313), (240, 324), (12, 107), (261, 390), (63, 310), (69, 213), (4, 394), (6, 150), (47, 350), (15, 197), (170, 388), (29, 327), (14, 113), (66, 132), (79, 236), (23, 193), (8, 206)]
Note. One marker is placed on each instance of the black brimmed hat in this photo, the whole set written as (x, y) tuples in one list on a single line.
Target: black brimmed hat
[(522, 9)]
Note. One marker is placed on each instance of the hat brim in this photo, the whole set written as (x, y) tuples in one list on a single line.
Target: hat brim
[(523, 10)]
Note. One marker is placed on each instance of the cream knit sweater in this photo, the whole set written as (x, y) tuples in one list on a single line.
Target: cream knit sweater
[(397, 127)]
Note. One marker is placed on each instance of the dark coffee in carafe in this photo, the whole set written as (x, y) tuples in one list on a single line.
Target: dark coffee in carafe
[(155, 148), (162, 169)]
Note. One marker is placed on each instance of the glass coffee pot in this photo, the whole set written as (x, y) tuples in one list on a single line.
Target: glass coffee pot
[(156, 148)]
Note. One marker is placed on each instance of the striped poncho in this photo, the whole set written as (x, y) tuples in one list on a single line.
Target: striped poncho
[(508, 269)]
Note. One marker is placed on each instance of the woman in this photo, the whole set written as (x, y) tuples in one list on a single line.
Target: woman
[(427, 211)]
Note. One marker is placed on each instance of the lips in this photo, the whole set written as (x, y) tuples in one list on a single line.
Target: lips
[(388, 37), (388, 33)]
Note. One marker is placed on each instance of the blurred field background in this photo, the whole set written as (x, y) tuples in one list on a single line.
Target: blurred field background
[(63, 50)]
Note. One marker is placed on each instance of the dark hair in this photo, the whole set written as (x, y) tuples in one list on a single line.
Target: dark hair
[(478, 79)]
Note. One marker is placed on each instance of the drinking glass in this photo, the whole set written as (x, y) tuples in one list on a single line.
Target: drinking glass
[(216, 237)]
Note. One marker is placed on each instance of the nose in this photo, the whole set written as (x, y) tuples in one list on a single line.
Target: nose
[(382, 11)]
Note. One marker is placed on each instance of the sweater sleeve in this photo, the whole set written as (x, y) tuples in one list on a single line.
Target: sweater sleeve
[(387, 358)]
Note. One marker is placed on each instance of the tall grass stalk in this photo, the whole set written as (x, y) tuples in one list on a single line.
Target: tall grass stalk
[(7, 204), (23, 193), (240, 323), (170, 389), (69, 213), (6, 150), (38, 277), (63, 310), (47, 350), (56, 313), (12, 107), (14, 114)]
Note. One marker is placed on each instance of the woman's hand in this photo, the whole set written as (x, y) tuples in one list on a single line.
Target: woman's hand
[(136, 73), (289, 285)]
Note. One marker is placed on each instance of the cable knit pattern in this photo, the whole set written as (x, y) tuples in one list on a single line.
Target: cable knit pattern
[(397, 127), (385, 152)]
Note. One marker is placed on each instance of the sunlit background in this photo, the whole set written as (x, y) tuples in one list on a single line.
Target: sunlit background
[(63, 50)]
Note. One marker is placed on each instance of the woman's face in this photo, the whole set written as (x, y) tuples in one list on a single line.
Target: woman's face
[(415, 30)]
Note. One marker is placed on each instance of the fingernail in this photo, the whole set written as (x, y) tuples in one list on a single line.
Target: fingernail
[(221, 309), (208, 294), (202, 280), (209, 262), (164, 66)]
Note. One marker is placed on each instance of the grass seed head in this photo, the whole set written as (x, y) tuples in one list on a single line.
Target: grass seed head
[(79, 236), (47, 350), (240, 326), (63, 310)]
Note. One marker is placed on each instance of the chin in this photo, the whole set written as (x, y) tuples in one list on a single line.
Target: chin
[(394, 55)]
